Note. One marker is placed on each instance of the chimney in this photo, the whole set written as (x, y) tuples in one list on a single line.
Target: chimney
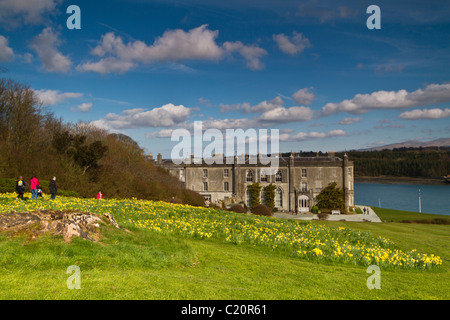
[(331, 154), (159, 159)]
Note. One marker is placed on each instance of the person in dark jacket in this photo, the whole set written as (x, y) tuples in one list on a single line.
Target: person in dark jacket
[(20, 187), (53, 189)]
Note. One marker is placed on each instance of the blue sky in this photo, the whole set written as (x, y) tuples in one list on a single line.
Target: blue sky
[(311, 69)]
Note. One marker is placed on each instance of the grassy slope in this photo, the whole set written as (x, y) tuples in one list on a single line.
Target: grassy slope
[(152, 266)]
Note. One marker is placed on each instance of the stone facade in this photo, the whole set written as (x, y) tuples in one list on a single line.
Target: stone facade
[(298, 180)]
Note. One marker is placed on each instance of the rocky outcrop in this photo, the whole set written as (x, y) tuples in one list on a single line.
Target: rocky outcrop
[(67, 223)]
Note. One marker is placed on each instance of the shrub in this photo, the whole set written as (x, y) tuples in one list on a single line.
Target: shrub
[(255, 190), (269, 192), (322, 216), (237, 208), (331, 197), (262, 210), (315, 209)]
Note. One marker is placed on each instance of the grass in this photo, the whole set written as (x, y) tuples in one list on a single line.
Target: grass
[(391, 215), (167, 266)]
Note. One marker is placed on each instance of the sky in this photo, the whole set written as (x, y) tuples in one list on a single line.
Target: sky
[(313, 70)]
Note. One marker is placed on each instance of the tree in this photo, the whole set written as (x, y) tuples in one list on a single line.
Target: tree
[(331, 198), (270, 196), (87, 156), (255, 191), (83, 154)]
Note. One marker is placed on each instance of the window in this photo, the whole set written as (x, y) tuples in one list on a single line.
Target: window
[(304, 187), (278, 198), (225, 173), (303, 173), (226, 186), (278, 176), (249, 198), (205, 173), (205, 186), (249, 176), (349, 172), (263, 176)]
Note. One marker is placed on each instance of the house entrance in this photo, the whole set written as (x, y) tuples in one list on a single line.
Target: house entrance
[(303, 203)]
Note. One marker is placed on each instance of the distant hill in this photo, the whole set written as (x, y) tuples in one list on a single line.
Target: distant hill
[(442, 142)]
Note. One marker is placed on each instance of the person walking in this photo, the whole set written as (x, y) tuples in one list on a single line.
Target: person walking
[(34, 183), (52, 188), (20, 188)]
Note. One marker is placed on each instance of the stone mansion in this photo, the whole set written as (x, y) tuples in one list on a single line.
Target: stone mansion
[(298, 180)]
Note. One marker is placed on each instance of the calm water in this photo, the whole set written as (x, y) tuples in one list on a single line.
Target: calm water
[(435, 199)]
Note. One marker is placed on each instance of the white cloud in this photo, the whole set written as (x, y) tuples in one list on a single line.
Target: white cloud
[(163, 133), (425, 114), (301, 136), (46, 46), (272, 111), (6, 53), (347, 121), (361, 103), (303, 96), (102, 124), (107, 65), (173, 46), (245, 107), (293, 45), (84, 107), (53, 97), (165, 116), (285, 115), (14, 13), (252, 54)]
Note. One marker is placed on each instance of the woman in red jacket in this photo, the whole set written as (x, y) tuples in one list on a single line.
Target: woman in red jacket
[(34, 183)]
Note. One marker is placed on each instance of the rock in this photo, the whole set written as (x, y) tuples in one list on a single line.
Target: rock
[(68, 223)]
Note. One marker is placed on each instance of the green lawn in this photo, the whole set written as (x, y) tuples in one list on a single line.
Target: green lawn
[(152, 265)]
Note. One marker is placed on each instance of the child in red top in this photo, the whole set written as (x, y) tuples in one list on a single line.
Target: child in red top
[(99, 195)]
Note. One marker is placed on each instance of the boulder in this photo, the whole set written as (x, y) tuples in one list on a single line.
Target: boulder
[(67, 223)]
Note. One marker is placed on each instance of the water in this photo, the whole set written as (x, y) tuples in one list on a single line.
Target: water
[(434, 198)]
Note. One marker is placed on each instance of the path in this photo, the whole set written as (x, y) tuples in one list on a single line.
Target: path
[(370, 217)]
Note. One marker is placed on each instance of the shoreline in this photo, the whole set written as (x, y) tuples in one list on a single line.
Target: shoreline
[(400, 180)]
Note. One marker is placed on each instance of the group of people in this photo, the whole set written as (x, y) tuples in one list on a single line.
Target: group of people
[(35, 188)]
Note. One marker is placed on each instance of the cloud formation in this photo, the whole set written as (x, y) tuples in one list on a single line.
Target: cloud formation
[(165, 116), (14, 13), (252, 54), (285, 115), (173, 46), (6, 53), (46, 46), (348, 121), (303, 96), (245, 107), (53, 97), (302, 136), (84, 107), (425, 114), (293, 45), (362, 103)]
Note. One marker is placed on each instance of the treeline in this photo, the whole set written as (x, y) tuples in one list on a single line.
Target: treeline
[(403, 162), (85, 159)]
